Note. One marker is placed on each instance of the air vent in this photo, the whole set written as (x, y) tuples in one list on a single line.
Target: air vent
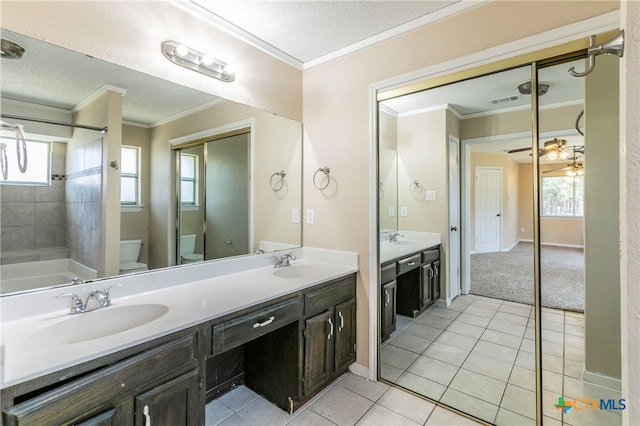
[(504, 100)]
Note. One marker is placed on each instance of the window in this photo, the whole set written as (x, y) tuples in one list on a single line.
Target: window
[(563, 196), (188, 179), (130, 176), (38, 163)]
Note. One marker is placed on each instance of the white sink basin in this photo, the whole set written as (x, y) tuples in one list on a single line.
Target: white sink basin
[(404, 243), (296, 271), (96, 324)]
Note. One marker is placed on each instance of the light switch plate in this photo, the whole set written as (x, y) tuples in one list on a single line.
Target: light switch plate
[(311, 216), (392, 211), (430, 195), (403, 211), (295, 215)]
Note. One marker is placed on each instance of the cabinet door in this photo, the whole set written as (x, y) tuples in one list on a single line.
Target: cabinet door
[(318, 350), (388, 309), (427, 285), (436, 280), (172, 403), (345, 344)]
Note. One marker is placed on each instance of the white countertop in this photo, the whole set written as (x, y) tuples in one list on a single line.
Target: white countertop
[(411, 242), (220, 288)]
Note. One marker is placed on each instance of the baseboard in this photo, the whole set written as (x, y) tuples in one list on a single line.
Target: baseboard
[(555, 244), (512, 246), (359, 370), (602, 380)]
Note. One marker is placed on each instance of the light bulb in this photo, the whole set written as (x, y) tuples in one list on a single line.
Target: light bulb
[(181, 50), (552, 155), (206, 60), (580, 172), (564, 155), (571, 173)]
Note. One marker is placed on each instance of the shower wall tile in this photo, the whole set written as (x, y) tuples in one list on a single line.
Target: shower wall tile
[(58, 163), (49, 236), (17, 214), (53, 254), (18, 259), (50, 214), (53, 193), (15, 238), (20, 193)]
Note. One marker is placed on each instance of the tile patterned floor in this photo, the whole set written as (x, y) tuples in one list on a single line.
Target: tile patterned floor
[(477, 355), (350, 400)]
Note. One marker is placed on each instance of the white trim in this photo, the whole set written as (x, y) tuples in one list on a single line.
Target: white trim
[(359, 370), (504, 250), (539, 41), (502, 209), (95, 95), (30, 105), (601, 380), (518, 135), (524, 240), (523, 107), (451, 292), (188, 112), (431, 18), (249, 122), (447, 107), (388, 110)]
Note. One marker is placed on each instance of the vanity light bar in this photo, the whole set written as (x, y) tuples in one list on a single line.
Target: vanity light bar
[(203, 63)]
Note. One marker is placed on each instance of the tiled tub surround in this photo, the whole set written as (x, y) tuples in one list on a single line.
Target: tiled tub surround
[(194, 294), (477, 355), (33, 217)]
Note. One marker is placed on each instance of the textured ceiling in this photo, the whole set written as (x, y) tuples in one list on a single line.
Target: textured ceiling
[(308, 30)]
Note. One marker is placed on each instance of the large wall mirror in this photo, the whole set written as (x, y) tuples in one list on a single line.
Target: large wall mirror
[(100, 209), (474, 347)]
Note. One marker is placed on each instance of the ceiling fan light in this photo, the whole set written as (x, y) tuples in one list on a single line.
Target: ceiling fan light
[(580, 172), (571, 173), (563, 155), (552, 155)]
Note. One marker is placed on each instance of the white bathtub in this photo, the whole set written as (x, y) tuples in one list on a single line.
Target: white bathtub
[(27, 276)]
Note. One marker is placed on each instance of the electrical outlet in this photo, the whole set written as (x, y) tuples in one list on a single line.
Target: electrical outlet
[(295, 215), (522, 230), (392, 211), (311, 216), (403, 211), (430, 195)]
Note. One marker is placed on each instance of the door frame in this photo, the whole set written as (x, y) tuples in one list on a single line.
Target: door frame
[(525, 50), (455, 286), (475, 210)]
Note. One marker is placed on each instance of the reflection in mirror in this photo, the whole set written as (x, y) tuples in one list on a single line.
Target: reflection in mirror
[(80, 224), (388, 170)]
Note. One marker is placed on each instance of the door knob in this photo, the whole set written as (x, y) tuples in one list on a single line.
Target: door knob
[(498, 215), (454, 228)]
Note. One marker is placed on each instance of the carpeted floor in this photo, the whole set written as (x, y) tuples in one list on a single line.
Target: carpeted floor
[(509, 276)]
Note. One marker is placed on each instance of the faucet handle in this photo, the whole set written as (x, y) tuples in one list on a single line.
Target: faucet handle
[(77, 307), (107, 293), (290, 256)]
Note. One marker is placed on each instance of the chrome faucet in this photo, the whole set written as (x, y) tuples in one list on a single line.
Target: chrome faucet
[(394, 236), (284, 260), (102, 297)]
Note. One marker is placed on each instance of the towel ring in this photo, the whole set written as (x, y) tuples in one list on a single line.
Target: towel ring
[(326, 171), (274, 186), (413, 186)]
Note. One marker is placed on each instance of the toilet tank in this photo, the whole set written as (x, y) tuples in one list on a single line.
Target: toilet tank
[(129, 250), (187, 244)]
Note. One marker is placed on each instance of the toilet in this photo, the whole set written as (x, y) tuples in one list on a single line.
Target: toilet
[(129, 252), (187, 248)]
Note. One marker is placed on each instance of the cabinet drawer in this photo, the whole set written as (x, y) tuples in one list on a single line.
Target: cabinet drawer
[(329, 296), (409, 263), (429, 256), (388, 273), (235, 332)]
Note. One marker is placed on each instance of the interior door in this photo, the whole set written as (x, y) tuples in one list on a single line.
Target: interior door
[(454, 217), (488, 209)]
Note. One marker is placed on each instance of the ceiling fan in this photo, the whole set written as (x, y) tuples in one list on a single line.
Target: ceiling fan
[(553, 149), (574, 168)]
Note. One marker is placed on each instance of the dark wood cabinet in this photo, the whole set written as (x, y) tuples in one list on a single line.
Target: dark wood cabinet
[(164, 379), (435, 283), (388, 309), (330, 335)]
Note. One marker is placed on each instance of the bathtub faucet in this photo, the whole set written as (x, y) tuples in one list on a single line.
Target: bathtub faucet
[(102, 297)]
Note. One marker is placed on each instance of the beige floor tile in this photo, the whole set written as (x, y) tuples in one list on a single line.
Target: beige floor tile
[(552, 363), (480, 312), (499, 352), (473, 319), (552, 326), (528, 345), (551, 348), (523, 378), (434, 321), (238, 398), (379, 415), (423, 331), (552, 336), (520, 401), (216, 412), (409, 342), (466, 329), (341, 406), (526, 360), (457, 340), (521, 310), (444, 312), (389, 372), (574, 330), (235, 420), (471, 405), (262, 412), (421, 386), (506, 327), (434, 370), (488, 366), (511, 318), (575, 388), (573, 368), (446, 353), (443, 417), (509, 418), (410, 406), (477, 385), (363, 387), (308, 418), (503, 339), (574, 341), (552, 381), (397, 357), (592, 418)]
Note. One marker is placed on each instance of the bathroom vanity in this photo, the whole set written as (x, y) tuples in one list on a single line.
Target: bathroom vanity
[(285, 333), (410, 279)]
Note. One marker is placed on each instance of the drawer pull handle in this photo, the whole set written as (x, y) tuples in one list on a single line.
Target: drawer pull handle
[(264, 323), (386, 293), (341, 321), (411, 263), (331, 331), (147, 417)]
